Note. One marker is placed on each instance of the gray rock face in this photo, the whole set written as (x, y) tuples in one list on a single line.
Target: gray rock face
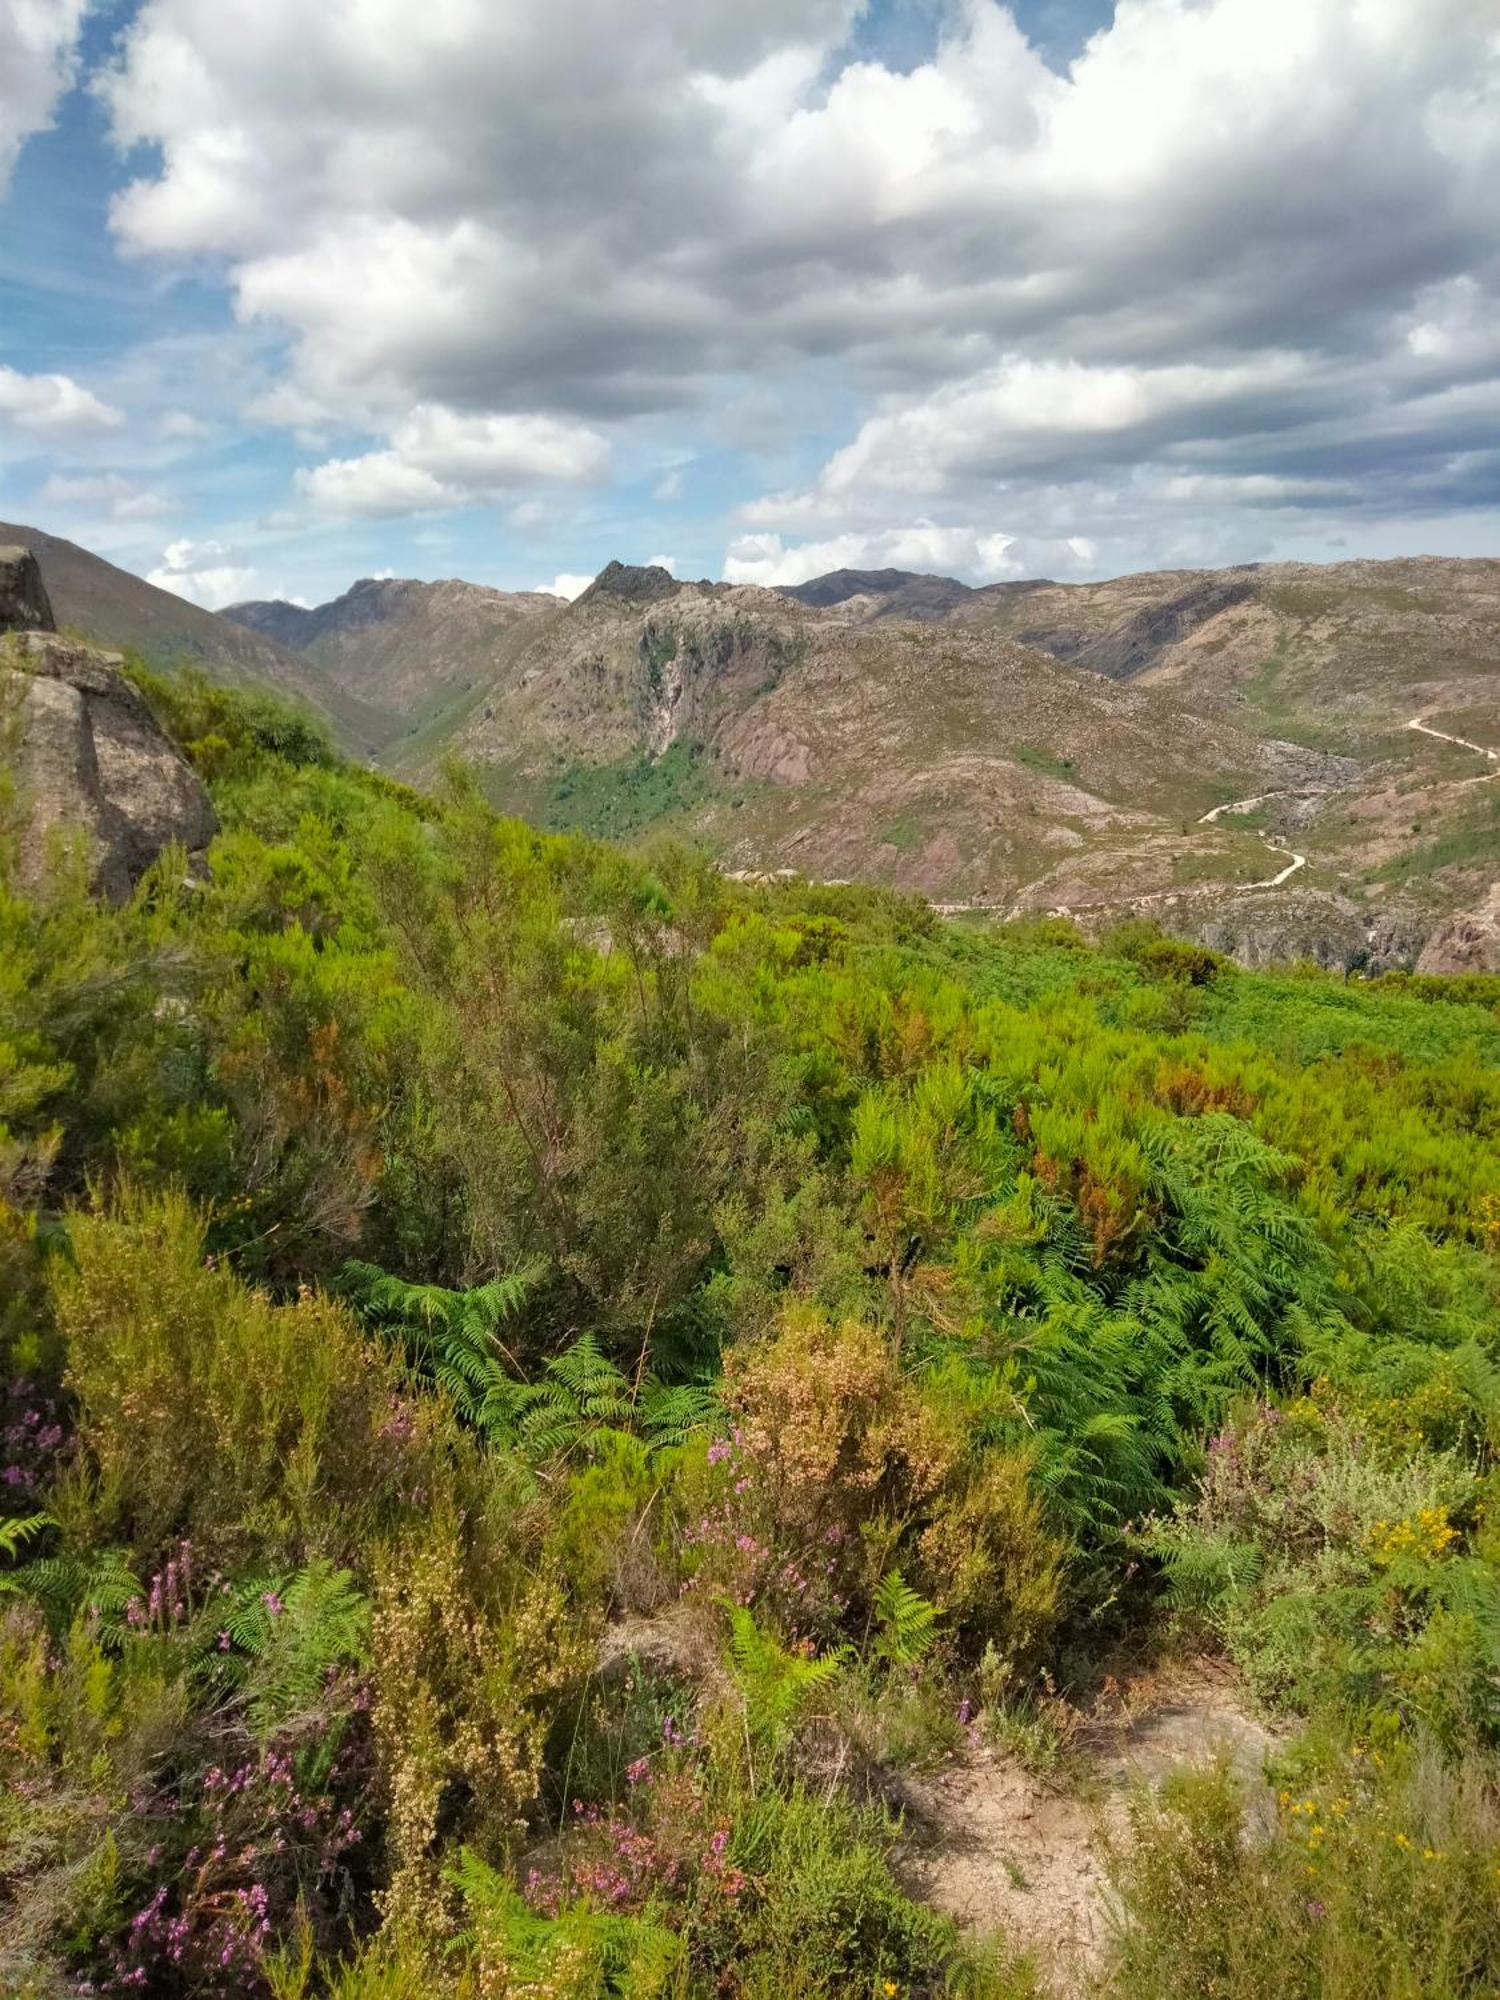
[(89, 759), (1466, 943), (24, 605)]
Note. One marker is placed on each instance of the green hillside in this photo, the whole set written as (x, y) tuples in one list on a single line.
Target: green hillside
[(544, 1386)]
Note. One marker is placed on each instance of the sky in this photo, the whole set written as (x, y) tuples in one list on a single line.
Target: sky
[(293, 293)]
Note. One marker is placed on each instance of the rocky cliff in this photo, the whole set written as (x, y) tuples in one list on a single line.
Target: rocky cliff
[(88, 757)]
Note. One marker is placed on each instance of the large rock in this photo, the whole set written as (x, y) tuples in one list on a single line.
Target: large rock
[(90, 759), (1466, 943), (24, 606)]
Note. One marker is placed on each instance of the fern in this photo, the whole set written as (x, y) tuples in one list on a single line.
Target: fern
[(621, 1957), (289, 1635), (100, 1586), (775, 1685), (453, 1336), (16, 1533), (1203, 1570), (669, 1416), (908, 1623)]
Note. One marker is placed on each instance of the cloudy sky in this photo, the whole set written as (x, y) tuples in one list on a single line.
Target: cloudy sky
[(297, 290)]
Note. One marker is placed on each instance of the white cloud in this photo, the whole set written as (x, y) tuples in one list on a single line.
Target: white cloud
[(1239, 240), (964, 552), (53, 405), (184, 426), (196, 571), (110, 492), (668, 563), (378, 484), (37, 39), (439, 459), (566, 586)]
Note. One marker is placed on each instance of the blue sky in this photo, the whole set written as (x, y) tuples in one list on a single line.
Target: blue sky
[(289, 296)]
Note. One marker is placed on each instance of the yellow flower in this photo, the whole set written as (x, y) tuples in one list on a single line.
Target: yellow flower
[(889, 1987), (1402, 1841)]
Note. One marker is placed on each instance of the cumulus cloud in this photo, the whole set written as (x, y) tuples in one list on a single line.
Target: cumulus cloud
[(53, 406), (566, 585), (964, 552), (438, 458), (1245, 240), (200, 572), (37, 39)]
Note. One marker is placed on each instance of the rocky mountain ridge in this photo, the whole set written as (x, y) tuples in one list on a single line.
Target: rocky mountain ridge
[(1282, 755)]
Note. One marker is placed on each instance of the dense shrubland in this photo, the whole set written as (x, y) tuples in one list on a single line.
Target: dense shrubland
[(533, 1375)]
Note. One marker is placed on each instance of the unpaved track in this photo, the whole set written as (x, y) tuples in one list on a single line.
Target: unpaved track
[(1463, 743)]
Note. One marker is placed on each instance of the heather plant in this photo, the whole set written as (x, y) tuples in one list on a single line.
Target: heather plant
[(261, 1429), (1339, 1566), (468, 1655)]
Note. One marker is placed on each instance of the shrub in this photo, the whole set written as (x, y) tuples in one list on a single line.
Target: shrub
[(469, 1655), (991, 1562), (264, 1432), (1383, 1890)]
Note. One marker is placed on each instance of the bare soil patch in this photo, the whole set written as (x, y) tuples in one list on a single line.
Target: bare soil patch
[(998, 1848)]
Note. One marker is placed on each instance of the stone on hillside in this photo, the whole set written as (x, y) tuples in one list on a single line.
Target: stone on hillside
[(89, 758), (1469, 942), (24, 605)]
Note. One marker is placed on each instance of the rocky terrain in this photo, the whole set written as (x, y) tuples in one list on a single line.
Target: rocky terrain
[(106, 606), (88, 758), (1284, 760), (412, 651)]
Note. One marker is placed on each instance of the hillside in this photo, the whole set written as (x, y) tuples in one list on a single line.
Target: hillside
[(412, 649), (110, 607), (571, 1426)]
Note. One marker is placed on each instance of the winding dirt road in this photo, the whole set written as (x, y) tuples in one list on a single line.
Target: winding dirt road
[(1463, 743), (1272, 843)]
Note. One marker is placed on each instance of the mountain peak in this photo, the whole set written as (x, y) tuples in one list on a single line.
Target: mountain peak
[(637, 583)]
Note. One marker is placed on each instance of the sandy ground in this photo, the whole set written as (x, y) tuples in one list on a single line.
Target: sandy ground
[(997, 1848)]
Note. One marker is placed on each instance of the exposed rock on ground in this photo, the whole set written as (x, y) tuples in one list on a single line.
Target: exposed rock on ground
[(23, 596), (1000, 1849), (88, 756), (1469, 942)]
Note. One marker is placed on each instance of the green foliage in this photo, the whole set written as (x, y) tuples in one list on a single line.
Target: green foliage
[(206, 1410), (855, 1312), (774, 1684), (577, 1955), (290, 1634), (21, 1529), (1385, 1888), (619, 801), (906, 1623)]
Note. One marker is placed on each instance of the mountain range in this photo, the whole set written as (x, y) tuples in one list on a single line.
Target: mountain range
[(1285, 759)]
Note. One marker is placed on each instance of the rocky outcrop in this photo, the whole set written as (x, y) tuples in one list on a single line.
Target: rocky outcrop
[(88, 756), (1469, 942), (635, 583), (23, 596)]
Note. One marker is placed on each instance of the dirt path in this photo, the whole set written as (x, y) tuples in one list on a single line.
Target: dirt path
[(1272, 842), (999, 1849), (1442, 736)]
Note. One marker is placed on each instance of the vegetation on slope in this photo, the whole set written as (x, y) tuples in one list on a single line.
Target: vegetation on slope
[(441, 1260)]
